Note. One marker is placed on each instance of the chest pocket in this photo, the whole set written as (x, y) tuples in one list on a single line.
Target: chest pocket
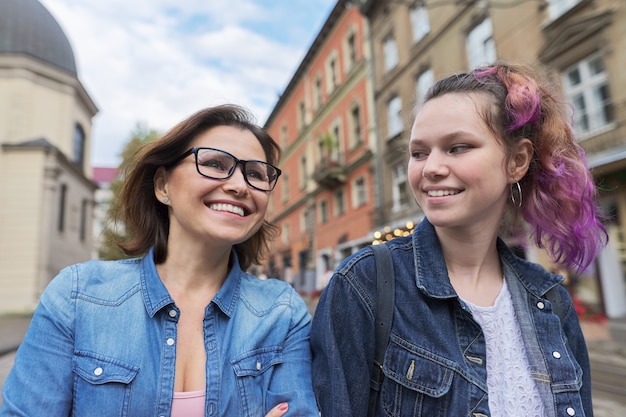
[(254, 371), (415, 384), (102, 385)]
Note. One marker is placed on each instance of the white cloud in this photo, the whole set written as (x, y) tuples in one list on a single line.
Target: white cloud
[(157, 61)]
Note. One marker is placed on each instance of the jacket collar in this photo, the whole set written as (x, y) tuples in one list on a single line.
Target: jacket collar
[(156, 296), (432, 273)]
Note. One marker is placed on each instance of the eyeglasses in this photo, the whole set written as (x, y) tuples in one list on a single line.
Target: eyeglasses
[(220, 165)]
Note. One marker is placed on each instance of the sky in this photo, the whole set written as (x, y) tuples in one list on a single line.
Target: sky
[(152, 63)]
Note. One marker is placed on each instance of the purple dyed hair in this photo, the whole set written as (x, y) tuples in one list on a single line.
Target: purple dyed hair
[(559, 194)]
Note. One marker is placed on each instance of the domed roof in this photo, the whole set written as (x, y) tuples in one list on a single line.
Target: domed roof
[(28, 28)]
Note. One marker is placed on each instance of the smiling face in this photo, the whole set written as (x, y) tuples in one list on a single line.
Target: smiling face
[(458, 171), (215, 212)]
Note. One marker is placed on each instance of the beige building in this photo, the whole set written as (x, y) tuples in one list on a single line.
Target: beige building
[(583, 43), (45, 130)]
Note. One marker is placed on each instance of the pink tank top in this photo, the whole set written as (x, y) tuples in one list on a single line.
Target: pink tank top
[(188, 404)]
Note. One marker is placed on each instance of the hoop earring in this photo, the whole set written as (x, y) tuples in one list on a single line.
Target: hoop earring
[(517, 202)]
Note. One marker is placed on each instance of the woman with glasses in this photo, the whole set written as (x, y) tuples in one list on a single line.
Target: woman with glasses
[(181, 329)]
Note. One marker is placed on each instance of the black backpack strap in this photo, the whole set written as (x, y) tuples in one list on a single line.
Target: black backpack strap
[(385, 300)]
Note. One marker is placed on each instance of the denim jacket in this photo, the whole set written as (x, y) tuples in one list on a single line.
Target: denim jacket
[(435, 363), (102, 342)]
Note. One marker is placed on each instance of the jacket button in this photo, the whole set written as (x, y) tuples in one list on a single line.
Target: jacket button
[(540, 305), (557, 355), (97, 371), (170, 341), (172, 313), (570, 411)]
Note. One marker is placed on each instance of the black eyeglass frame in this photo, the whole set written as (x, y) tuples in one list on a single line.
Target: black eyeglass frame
[(238, 161)]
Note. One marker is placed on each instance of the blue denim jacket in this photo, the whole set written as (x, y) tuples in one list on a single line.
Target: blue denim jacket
[(102, 342), (435, 363)]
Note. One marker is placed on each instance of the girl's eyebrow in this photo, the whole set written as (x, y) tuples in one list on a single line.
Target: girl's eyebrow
[(446, 138)]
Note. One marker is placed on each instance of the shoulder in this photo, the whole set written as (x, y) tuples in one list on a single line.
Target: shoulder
[(355, 277), (362, 264), (101, 279), (265, 294)]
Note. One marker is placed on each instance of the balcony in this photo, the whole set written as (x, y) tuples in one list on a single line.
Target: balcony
[(330, 173)]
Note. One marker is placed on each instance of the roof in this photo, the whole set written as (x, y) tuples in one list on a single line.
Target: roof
[(28, 28)]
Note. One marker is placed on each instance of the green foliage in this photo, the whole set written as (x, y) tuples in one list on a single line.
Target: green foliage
[(328, 146), (114, 231)]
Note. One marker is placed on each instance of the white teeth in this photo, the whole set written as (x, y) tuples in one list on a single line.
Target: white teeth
[(441, 193), (227, 207)]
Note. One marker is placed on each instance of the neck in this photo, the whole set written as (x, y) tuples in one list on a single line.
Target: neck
[(193, 268), (473, 264)]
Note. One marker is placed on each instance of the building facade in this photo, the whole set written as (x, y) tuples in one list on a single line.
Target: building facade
[(45, 135), (324, 201), (581, 42)]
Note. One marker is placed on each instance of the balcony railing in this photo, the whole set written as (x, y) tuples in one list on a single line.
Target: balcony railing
[(330, 172)]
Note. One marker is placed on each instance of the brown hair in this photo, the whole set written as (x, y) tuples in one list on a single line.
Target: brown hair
[(147, 220)]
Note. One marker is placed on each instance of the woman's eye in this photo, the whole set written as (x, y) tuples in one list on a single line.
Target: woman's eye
[(418, 154), (459, 148), (214, 164), (255, 174)]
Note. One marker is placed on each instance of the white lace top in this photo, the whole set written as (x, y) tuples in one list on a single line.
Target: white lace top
[(512, 391)]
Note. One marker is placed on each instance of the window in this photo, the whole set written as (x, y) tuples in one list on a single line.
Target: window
[(317, 92), (283, 136), (481, 48), (303, 172), (394, 117), (285, 187), (329, 143), (79, 146), (301, 115), (399, 190), (338, 141), (331, 73), (305, 220), (586, 86), (390, 51), (350, 53), (355, 126), (284, 234), (359, 192), (340, 204), (62, 207), (424, 81), (557, 8), (323, 211), (419, 22)]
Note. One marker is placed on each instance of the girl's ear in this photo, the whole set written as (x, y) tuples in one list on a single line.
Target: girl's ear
[(161, 177), (520, 160)]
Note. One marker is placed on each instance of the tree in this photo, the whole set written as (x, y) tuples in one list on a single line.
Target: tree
[(113, 231)]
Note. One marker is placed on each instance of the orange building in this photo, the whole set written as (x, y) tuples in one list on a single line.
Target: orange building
[(324, 203)]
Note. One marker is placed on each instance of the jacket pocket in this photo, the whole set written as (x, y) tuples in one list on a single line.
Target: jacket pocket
[(102, 385), (416, 383), (253, 371)]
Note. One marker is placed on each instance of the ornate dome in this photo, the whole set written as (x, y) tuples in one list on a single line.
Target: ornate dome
[(28, 28)]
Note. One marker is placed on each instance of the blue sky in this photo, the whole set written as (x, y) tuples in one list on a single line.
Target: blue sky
[(155, 62)]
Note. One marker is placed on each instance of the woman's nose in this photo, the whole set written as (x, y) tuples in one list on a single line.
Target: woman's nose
[(435, 166), (237, 182)]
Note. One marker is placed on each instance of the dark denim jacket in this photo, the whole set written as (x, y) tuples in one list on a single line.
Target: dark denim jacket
[(435, 363)]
